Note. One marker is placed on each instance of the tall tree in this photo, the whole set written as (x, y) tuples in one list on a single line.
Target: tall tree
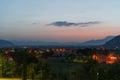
[(23, 59)]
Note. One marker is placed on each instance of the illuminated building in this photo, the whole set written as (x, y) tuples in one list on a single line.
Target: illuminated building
[(111, 58)]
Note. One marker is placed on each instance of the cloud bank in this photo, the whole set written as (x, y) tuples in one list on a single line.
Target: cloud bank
[(68, 24)]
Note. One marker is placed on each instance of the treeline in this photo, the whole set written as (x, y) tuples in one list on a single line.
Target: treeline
[(21, 64)]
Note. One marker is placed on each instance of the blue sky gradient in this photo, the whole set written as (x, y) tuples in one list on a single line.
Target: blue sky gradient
[(29, 19)]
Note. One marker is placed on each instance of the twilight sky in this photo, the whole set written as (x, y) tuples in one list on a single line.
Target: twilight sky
[(59, 20)]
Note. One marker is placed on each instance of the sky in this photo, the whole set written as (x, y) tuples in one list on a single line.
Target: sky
[(59, 20)]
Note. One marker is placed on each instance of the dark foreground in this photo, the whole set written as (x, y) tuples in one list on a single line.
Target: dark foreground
[(58, 64)]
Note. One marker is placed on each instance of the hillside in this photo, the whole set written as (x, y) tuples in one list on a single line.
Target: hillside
[(115, 42), (5, 43), (97, 42)]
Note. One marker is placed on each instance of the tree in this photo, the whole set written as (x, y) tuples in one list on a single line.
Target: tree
[(109, 72), (7, 68), (86, 71), (23, 59)]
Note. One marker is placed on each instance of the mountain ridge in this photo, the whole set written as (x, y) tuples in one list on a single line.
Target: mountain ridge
[(5, 43), (86, 43), (97, 42), (115, 42)]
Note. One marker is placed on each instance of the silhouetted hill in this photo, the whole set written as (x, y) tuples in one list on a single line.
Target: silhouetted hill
[(115, 42), (5, 44), (97, 42)]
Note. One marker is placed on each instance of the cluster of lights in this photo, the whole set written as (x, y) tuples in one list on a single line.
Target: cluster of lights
[(109, 59), (32, 51)]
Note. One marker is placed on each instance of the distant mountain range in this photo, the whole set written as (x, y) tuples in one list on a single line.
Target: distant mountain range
[(108, 41), (115, 42), (87, 43), (97, 42), (6, 44)]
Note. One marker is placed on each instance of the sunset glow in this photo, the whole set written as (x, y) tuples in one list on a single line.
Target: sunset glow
[(46, 20)]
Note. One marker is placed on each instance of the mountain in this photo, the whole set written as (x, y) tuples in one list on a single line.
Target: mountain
[(97, 42), (33, 43), (45, 43), (115, 42), (5, 44)]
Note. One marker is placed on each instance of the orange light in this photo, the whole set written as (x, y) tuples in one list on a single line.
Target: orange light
[(6, 52), (30, 51), (111, 58), (35, 51), (95, 57)]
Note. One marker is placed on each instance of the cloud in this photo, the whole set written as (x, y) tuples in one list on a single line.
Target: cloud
[(68, 24), (34, 23)]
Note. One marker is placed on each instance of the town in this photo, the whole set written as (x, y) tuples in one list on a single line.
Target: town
[(58, 63)]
